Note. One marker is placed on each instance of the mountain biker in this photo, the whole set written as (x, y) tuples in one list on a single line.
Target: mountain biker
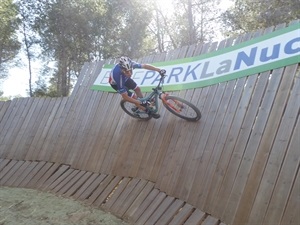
[(120, 80)]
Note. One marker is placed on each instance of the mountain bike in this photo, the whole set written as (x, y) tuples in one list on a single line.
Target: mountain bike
[(174, 104)]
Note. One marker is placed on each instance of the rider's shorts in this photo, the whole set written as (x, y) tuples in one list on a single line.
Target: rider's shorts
[(129, 85)]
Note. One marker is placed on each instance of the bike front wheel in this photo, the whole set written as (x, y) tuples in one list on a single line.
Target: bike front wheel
[(132, 111), (181, 108)]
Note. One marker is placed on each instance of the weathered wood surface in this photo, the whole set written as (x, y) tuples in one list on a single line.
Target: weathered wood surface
[(239, 163), (136, 201)]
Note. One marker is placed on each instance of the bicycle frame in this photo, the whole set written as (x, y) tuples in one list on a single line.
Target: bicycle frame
[(157, 93), (174, 104)]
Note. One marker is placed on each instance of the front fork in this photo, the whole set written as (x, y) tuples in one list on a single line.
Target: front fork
[(163, 96)]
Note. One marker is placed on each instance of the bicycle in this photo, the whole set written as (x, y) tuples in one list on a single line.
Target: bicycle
[(174, 104)]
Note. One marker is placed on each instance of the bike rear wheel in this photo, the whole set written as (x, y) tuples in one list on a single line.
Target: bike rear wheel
[(129, 108), (181, 108)]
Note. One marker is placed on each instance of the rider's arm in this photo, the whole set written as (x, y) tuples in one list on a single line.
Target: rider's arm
[(150, 67)]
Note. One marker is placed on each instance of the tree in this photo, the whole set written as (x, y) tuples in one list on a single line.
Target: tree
[(248, 15), (192, 22), (66, 37), (72, 29), (9, 44), (28, 13)]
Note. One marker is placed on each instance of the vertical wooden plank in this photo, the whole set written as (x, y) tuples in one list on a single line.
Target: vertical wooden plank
[(7, 168), (100, 128), (10, 127), (4, 163), (10, 173), (86, 133), (39, 171), (235, 107), (143, 206), (25, 129), (67, 182), (147, 152), (17, 174), (182, 215), (43, 181), (283, 196), (113, 145), (74, 124), (69, 120), (183, 144), (135, 206), (121, 161), (27, 175), (128, 200), (215, 143), (82, 177), (166, 169), (210, 221), (160, 210), (194, 196), (84, 112), (169, 214), (259, 134), (121, 200), (105, 194), (100, 187), (265, 147), (151, 208), (276, 181), (220, 125), (41, 128), (54, 173), (33, 129), (203, 139), (8, 117), (53, 129), (118, 190), (166, 173), (109, 128), (192, 158), (3, 108), (196, 218), (81, 77), (235, 143), (59, 179), (291, 214), (88, 188)]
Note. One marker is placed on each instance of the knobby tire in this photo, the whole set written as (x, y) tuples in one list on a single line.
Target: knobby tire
[(128, 106), (181, 108)]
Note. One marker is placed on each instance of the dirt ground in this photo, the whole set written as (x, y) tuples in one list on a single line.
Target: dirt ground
[(20, 206)]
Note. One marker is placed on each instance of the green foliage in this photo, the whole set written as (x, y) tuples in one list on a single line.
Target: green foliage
[(249, 15), (9, 44), (68, 31)]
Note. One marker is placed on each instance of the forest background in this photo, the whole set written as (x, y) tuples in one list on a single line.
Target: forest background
[(60, 35)]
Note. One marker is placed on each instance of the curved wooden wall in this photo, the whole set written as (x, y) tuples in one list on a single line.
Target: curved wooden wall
[(239, 163)]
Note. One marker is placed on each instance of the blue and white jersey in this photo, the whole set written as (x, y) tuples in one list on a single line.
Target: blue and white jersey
[(118, 78)]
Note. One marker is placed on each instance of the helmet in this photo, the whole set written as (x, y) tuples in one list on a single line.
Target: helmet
[(125, 62)]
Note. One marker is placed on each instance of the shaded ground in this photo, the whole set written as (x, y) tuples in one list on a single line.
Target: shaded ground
[(20, 206)]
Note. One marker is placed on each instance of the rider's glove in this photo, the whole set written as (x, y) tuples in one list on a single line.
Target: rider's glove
[(162, 72)]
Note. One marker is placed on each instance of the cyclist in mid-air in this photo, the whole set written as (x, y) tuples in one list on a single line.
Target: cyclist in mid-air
[(120, 80)]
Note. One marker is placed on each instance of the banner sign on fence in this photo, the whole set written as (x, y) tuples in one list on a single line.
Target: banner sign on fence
[(274, 50)]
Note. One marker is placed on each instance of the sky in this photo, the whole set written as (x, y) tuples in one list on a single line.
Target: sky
[(17, 82)]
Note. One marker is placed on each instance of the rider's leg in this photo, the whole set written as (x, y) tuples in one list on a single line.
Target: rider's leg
[(138, 92), (131, 85)]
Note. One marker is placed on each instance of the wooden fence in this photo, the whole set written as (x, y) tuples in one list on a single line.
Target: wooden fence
[(238, 165)]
